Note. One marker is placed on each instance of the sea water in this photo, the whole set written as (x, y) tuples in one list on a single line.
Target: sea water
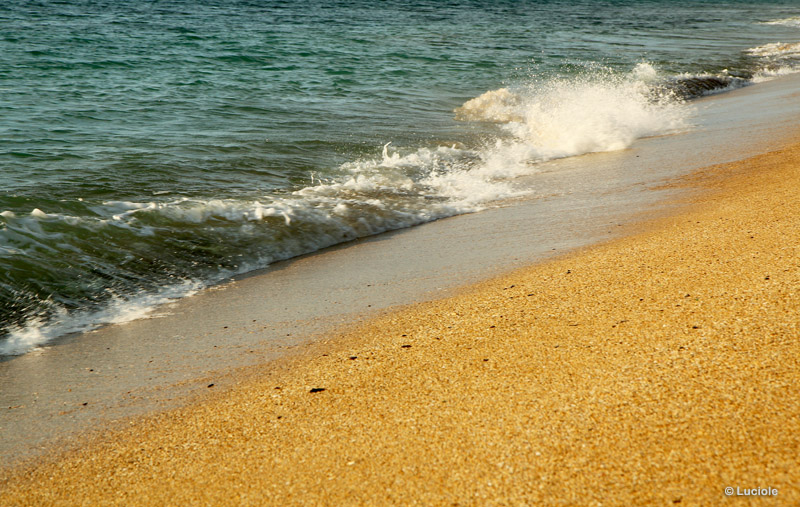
[(149, 149)]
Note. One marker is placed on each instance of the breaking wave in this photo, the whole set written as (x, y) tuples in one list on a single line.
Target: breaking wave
[(117, 260), (775, 59), (564, 117)]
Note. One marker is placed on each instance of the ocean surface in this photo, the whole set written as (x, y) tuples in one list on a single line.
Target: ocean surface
[(150, 149)]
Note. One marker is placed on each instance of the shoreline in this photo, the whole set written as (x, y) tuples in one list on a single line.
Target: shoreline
[(101, 379), (666, 375)]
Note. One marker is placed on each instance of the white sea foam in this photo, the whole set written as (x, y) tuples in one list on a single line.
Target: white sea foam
[(792, 21), (37, 331), (769, 74), (500, 106), (566, 117), (448, 180), (779, 49), (778, 59)]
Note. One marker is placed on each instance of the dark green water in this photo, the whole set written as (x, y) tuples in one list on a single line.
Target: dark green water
[(150, 148)]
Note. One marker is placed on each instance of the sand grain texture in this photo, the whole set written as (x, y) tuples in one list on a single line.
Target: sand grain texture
[(659, 368)]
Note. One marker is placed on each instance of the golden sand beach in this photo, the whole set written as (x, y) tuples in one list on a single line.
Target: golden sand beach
[(660, 368)]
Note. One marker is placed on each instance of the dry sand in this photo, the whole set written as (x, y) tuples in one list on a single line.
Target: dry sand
[(659, 368)]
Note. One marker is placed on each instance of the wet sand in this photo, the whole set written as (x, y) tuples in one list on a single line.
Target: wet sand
[(657, 368)]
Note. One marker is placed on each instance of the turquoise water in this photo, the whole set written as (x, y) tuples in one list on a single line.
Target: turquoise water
[(148, 149)]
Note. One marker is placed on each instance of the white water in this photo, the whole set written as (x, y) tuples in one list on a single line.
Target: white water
[(567, 117), (533, 122), (792, 21), (38, 332)]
